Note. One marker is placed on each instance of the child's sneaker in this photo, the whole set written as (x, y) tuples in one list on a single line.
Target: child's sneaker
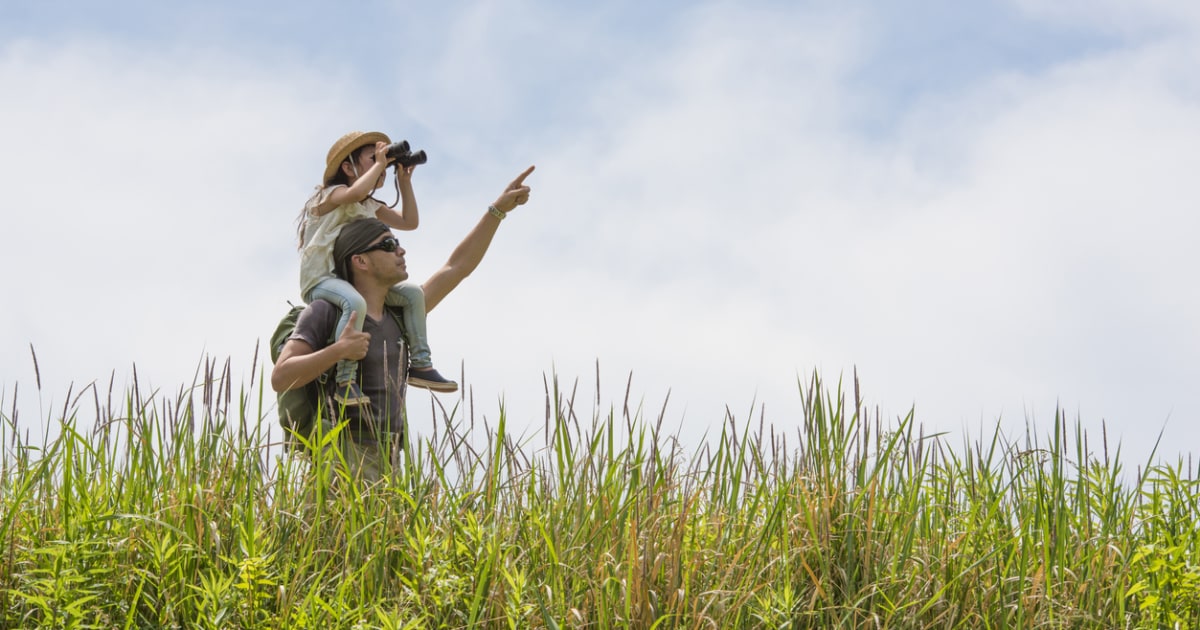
[(428, 378), (350, 395)]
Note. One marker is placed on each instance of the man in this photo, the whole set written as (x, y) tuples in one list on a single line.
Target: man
[(370, 258)]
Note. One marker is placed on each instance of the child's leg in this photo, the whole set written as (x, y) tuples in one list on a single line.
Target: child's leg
[(411, 300), (343, 295)]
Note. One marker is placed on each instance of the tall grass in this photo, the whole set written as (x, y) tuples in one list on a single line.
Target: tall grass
[(161, 511)]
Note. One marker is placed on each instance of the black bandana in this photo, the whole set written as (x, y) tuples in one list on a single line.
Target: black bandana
[(355, 237)]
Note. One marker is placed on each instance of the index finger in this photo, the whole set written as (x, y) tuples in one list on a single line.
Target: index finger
[(520, 178)]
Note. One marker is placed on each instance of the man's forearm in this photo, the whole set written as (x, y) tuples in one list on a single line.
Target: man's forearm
[(297, 369), (463, 260)]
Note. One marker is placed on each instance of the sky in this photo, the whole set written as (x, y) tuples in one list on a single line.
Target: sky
[(985, 210)]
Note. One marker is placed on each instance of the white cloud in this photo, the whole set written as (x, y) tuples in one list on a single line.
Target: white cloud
[(150, 206), (706, 216), (999, 258), (1146, 18)]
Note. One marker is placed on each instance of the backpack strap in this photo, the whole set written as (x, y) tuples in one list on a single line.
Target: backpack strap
[(333, 336), (397, 314)]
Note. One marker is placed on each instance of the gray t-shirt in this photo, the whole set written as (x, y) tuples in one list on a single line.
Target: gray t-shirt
[(382, 374)]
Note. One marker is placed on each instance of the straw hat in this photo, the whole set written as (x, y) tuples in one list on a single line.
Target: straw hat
[(346, 145)]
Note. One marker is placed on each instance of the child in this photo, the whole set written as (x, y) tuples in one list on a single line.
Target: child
[(355, 166)]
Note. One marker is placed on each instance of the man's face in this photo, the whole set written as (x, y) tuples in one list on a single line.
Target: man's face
[(386, 267)]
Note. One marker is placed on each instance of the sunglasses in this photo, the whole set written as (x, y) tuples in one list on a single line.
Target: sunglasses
[(389, 245)]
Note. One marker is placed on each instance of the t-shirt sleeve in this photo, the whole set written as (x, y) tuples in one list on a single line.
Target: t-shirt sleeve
[(315, 325), (371, 206), (320, 197)]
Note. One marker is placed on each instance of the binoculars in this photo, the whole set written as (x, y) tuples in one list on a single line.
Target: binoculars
[(404, 157)]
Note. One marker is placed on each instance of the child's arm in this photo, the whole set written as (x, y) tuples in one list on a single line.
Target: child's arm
[(361, 188), (407, 218)]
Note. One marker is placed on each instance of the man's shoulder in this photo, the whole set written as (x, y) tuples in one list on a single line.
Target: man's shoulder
[(320, 310), (321, 306), (316, 323)]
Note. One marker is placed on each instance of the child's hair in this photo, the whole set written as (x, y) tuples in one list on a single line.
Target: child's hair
[(339, 178)]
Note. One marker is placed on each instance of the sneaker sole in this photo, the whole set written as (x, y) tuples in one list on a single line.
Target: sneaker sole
[(432, 385)]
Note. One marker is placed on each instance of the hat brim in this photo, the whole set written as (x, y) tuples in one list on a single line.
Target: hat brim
[(347, 145)]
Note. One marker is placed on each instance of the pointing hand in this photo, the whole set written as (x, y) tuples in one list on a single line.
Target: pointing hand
[(516, 194)]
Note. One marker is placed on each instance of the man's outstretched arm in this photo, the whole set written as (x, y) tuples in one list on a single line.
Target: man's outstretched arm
[(470, 251)]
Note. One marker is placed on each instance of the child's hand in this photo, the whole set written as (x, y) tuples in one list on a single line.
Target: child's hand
[(381, 153)]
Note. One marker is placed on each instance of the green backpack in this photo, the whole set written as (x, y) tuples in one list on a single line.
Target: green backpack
[(300, 407)]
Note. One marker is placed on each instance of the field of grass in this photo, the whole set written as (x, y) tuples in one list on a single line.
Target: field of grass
[(175, 510)]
